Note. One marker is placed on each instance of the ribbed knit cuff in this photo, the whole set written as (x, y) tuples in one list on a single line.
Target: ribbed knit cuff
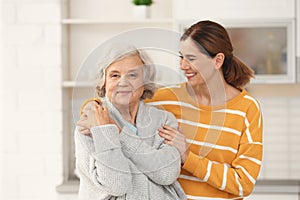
[(196, 165), (105, 137), (129, 141)]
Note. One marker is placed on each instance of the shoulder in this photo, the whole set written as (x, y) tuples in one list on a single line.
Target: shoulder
[(157, 111), (244, 104), (250, 105), (153, 110), (169, 93), (250, 101)]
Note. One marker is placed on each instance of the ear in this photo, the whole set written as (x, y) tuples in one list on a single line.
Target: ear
[(219, 60)]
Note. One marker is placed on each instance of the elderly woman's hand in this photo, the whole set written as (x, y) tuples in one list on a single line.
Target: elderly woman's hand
[(92, 115)]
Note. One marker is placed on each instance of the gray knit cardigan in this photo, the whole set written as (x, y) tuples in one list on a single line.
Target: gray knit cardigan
[(128, 165)]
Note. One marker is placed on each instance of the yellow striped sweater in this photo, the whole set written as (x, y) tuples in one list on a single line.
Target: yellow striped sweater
[(225, 143)]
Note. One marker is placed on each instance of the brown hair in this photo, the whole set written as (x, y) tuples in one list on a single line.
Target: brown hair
[(212, 38)]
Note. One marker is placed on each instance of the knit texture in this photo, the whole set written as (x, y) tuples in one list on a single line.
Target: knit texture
[(225, 143), (128, 165)]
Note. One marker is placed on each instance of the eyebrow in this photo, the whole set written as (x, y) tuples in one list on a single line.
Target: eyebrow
[(116, 71), (188, 55), (134, 70)]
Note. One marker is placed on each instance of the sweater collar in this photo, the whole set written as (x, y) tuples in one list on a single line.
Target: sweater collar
[(142, 117)]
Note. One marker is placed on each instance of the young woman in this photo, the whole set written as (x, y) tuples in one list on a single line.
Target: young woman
[(221, 148)]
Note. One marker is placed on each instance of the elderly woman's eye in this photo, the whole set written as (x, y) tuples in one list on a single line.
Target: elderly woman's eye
[(114, 75), (132, 75)]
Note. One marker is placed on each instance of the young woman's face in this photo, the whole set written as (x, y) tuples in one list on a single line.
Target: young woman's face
[(198, 67), (124, 81)]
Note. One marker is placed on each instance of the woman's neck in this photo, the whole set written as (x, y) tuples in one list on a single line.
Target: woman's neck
[(129, 112), (216, 94)]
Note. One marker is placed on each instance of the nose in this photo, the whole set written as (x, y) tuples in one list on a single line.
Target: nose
[(184, 64), (123, 81)]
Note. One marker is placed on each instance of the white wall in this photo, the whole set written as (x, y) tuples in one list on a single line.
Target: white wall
[(298, 38), (1, 104), (281, 112), (298, 29), (32, 139), (234, 9)]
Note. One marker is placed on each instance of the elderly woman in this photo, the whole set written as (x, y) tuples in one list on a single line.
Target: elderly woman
[(119, 153)]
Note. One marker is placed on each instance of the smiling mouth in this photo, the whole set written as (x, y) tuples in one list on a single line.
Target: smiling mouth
[(123, 92), (190, 75)]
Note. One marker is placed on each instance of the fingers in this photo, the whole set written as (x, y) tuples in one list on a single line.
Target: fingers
[(94, 109), (101, 115), (167, 132), (177, 131), (88, 106), (85, 131), (104, 109), (82, 127), (164, 134), (169, 128), (82, 123), (83, 116), (99, 109)]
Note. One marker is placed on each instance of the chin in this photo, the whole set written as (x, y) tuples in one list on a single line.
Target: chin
[(192, 82), (121, 102)]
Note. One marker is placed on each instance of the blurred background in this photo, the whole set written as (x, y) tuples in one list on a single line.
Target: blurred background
[(44, 42)]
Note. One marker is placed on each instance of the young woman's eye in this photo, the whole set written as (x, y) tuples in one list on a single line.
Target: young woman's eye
[(187, 59)]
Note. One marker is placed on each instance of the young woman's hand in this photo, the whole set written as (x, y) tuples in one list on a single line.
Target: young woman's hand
[(175, 138)]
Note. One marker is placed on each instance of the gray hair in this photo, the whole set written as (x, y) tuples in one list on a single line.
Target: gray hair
[(118, 51)]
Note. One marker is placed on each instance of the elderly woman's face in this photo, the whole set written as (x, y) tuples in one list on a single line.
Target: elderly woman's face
[(124, 81)]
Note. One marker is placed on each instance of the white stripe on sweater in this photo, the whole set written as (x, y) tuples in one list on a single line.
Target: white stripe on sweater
[(247, 174), (224, 182), (257, 105), (225, 148), (250, 140), (193, 197), (252, 99), (241, 193), (236, 112), (221, 128), (251, 159), (177, 103), (184, 104), (207, 175)]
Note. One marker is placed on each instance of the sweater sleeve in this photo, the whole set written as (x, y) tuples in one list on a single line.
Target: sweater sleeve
[(239, 177), (101, 160), (159, 163)]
